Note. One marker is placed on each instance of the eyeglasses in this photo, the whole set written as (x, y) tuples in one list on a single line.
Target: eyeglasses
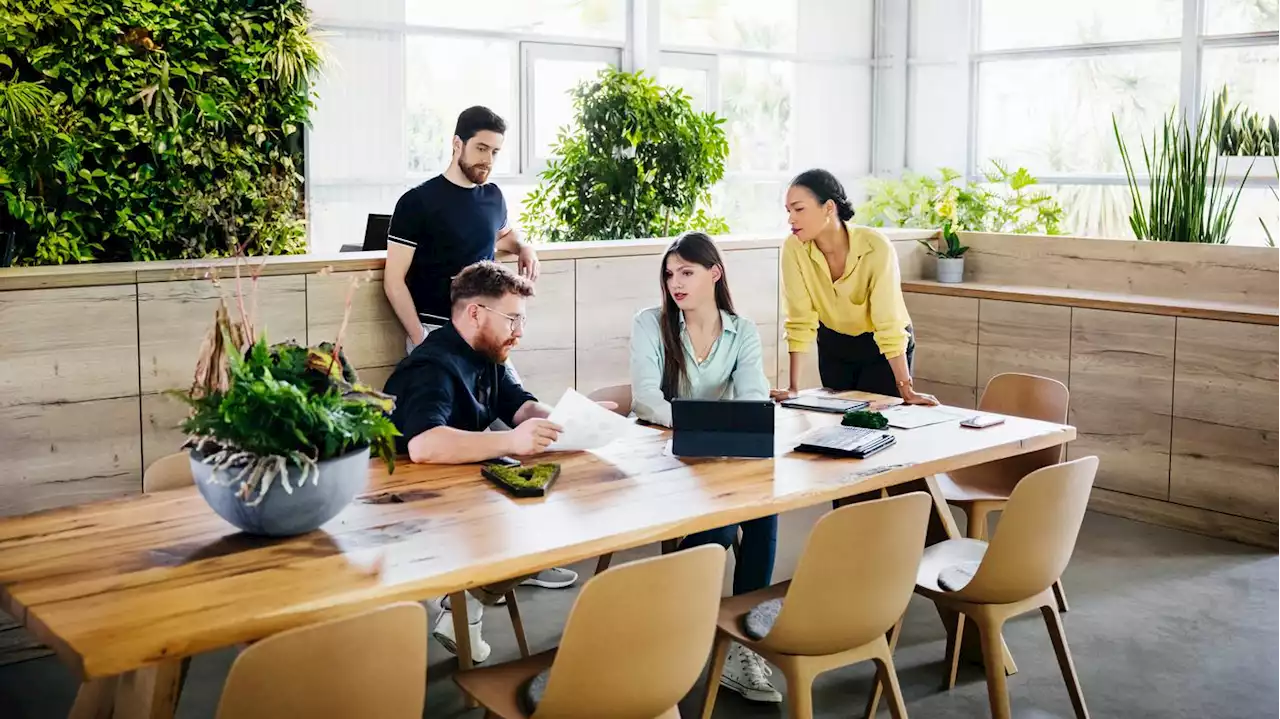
[(517, 321)]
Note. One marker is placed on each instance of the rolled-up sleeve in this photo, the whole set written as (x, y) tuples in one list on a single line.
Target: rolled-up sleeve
[(646, 370), (889, 316), (802, 314), (749, 381)]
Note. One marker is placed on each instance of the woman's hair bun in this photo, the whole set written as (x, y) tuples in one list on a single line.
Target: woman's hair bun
[(825, 186)]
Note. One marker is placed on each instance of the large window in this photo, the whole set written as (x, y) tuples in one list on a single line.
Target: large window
[(1037, 83), (793, 78)]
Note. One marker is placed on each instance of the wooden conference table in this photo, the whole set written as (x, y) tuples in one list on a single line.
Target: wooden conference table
[(123, 589)]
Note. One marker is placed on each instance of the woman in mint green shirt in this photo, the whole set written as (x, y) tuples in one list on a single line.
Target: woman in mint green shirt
[(696, 347)]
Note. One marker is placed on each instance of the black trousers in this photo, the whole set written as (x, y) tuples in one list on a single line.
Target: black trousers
[(854, 362)]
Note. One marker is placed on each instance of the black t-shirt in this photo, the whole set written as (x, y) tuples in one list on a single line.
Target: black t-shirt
[(444, 382), (450, 227)]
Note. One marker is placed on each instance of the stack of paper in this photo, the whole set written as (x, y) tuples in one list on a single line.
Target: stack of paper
[(587, 425), (906, 416)]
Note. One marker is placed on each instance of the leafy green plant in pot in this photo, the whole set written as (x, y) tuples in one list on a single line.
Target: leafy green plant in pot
[(638, 161), (1187, 198), (1243, 138), (950, 255), (280, 435)]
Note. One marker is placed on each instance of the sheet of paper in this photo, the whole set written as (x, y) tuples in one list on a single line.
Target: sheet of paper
[(587, 425), (913, 416)]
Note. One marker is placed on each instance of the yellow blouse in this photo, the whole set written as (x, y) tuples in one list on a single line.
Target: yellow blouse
[(867, 298)]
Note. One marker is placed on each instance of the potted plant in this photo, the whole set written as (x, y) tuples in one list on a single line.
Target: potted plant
[(1243, 138), (950, 257), (1187, 198), (280, 435)]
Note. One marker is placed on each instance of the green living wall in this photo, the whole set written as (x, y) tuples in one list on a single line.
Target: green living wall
[(139, 130)]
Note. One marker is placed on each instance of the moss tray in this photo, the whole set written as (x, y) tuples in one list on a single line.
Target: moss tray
[(863, 418), (532, 481)]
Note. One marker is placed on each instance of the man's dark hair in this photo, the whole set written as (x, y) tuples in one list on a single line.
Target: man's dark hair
[(475, 119), (489, 280)]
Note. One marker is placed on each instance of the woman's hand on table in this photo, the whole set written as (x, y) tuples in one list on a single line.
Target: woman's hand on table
[(777, 395), (910, 396)]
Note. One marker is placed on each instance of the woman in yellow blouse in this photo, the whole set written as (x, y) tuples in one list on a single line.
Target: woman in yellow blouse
[(842, 289)]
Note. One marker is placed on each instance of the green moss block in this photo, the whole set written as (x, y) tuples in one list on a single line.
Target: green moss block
[(863, 418)]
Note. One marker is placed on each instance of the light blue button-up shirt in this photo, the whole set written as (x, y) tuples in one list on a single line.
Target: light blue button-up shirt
[(733, 370)]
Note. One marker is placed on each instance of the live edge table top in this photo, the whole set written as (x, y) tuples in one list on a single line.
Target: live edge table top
[(118, 585)]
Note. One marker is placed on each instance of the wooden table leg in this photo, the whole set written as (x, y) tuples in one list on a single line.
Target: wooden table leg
[(95, 699), (462, 637), (150, 692)]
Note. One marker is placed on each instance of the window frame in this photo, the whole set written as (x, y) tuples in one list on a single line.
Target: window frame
[(530, 52)]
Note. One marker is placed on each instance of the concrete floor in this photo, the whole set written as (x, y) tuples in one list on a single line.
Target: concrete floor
[(1162, 624)]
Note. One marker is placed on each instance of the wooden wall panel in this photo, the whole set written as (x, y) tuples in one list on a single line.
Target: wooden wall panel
[(1186, 270), (173, 318), (545, 358), (161, 414), (1225, 428), (1122, 397), (1226, 469), (946, 356), (63, 454), (1023, 337), (374, 336), (68, 345), (610, 291)]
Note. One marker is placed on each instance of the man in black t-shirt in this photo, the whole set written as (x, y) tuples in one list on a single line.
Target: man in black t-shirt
[(447, 223)]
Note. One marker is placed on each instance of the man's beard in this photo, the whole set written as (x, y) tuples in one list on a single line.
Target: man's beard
[(476, 173), (495, 349)]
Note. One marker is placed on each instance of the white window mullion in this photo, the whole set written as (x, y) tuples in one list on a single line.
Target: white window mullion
[(1189, 89)]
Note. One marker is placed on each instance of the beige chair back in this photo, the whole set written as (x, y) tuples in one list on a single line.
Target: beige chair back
[(637, 638), (169, 472), (1036, 536), (1020, 395), (370, 665), (854, 578), (619, 394)]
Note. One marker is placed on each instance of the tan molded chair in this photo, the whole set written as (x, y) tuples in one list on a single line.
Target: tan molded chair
[(169, 472), (979, 491), (1015, 571), (619, 394), (370, 665), (840, 603), (634, 645)]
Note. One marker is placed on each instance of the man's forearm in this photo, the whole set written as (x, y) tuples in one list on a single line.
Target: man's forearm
[(509, 242), (402, 303), (531, 410), (446, 445)]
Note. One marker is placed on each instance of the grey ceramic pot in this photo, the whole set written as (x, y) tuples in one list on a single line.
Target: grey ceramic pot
[(282, 514)]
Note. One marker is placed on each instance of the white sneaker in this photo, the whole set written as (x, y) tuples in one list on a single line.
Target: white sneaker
[(747, 673), (444, 633), (554, 578)]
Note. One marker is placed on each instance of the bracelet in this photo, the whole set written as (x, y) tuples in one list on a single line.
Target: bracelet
[(906, 383)]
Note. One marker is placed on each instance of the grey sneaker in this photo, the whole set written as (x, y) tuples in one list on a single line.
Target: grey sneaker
[(747, 673), (554, 578)]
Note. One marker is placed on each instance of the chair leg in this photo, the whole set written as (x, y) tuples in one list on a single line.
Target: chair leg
[(718, 657), (976, 524), (873, 703), (1059, 638), (993, 660), (516, 624), (953, 652), (888, 676), (603, 562), (799, 693), (1060, 595)]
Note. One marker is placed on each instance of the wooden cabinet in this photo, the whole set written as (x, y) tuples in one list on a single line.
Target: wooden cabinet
[(1225, 418), (1023, 337), (1121, 383), (946, 356)]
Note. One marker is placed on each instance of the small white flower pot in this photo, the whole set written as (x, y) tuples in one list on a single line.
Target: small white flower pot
[(951, 269), (1235, 166)]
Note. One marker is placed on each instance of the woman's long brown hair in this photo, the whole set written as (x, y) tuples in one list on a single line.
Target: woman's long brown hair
[(697, 248)]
